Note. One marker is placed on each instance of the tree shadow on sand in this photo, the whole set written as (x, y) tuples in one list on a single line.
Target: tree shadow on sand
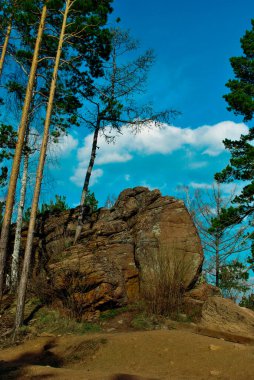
[(125, 376), (10, 370)]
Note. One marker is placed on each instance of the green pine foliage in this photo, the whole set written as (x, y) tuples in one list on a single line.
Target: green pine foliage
[(91, 201), (241, 167), (241, 96), (233, 279), (87, 46), (247, 301), (54, 206), (59, 205)]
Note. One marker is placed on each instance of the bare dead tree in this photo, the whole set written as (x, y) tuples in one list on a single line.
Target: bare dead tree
[(113, 101), (221, 245)]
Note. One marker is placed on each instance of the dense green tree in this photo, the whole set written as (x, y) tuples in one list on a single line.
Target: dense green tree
[(241, 167), (241, 97)]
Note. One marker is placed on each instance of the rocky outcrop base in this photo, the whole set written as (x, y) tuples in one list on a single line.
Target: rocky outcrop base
[(222, 318)]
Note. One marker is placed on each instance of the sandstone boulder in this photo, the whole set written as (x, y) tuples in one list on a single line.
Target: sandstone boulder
[(202, 292), (120, 249), (194, 299), (222, 318)]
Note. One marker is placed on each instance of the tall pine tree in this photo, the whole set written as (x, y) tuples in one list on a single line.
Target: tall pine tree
[(19, 148), (82, 31), (241, 167)]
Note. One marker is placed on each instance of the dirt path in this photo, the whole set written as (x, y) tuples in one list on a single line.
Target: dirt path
[(161, 354)]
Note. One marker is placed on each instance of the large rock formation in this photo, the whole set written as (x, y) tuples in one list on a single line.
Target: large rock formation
[(123, 252), (120, 249)]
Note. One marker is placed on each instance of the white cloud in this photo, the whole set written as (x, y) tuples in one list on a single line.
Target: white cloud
[(198, 164), (96, 174), (229, 189), (79, 176), (64, 146), (154, 140), (164, 140), (200, 185), (211, 137), (107, 153)]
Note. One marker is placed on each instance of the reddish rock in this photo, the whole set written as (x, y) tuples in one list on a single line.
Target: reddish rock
[(111, 264)]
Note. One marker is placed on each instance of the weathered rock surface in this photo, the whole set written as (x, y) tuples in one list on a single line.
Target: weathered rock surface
[(202, 292), (195, 299), (119, 248), (222, 318)]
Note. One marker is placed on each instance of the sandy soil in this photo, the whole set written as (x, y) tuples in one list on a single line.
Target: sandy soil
[(161, 354)]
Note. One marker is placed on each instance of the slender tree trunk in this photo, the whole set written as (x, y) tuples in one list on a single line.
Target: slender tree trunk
[(39, 175), (217, 267), (217, 197), (5, 45), (18, 152), (86, 183), (17, 241), (93, 156)]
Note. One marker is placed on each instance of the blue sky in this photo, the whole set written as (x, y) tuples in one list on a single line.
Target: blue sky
[(193, 41)]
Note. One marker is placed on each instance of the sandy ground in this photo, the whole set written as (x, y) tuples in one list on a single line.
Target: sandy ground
[(160, 354)]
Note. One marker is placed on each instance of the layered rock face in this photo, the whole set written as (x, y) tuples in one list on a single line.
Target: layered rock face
[(120, 249), (222, 318)]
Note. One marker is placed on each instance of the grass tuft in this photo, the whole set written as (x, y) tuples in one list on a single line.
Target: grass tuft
[(51, 321)]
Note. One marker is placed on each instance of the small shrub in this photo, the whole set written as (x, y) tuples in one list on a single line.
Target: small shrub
[(163, 280), (72, 287), (42, 288)]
